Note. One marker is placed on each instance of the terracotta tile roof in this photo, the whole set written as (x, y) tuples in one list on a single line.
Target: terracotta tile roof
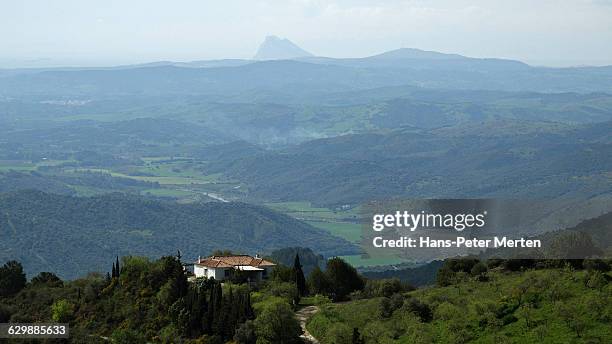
[(232, 261), (212, 263)]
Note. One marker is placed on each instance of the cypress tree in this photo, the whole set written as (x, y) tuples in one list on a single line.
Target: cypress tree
[(229, 315), (197, 306), (210, 314), (218, 318), (300, 280), (248, 309), (357, 339), (118, 269)]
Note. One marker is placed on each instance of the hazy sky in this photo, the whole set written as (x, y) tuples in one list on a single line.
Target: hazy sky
[(103, 32)]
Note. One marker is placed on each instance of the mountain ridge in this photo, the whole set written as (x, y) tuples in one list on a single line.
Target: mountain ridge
[(306, 74)]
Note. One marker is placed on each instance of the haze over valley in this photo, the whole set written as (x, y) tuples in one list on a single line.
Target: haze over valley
[(296, 141)]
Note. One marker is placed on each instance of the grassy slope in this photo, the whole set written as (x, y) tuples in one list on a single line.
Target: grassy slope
[(466, 313)]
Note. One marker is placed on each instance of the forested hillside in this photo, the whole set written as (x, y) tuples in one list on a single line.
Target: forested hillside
[(490, 159), (479, 304), (146, 301), (71, 236)]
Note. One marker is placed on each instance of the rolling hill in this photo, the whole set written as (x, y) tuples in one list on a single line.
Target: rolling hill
[(71, 236), (490, 159)]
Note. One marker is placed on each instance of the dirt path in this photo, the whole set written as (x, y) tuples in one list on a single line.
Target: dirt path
[(302, 316)]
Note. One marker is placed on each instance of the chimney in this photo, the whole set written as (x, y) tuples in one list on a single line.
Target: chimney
[(199, 258), (257, 255)]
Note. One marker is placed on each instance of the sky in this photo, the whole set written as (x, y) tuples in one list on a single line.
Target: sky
[(111, 32)]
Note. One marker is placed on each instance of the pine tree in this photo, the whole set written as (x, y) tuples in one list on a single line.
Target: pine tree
[(300, 280)]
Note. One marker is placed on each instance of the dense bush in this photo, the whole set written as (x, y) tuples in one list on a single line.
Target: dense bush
[(150, 301), (318, 282), (48, 279), (556, 305), (343, 279), (276, 324), (12, 278), (418, 308), (596, 264), (383, 288), (245, 333)]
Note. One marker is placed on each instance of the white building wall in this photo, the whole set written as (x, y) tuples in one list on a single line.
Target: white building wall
[(218, 274), (201, 271)]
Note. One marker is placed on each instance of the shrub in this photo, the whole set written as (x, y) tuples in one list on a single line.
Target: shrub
[(418, 308), (47, 278), (508, 319), (461, 264), (385, 310), (320, 300), (125, 336), (339, 333), (318, 282), (276, 324), (62, 311), (478, 269), (384, 288), (245, 334), (5, 313), (518, 264), (445, 277), (287, 291), (596, 280), (492, 263), (447, 311), (596, 265)]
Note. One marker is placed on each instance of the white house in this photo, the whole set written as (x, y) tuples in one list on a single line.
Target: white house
[(222, 267)]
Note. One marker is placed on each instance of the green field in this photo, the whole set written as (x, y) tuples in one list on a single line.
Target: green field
[(23, 165), (306, 211), (10, 165), (348, 231), (163, 192), (342, 223), (178, 177), (162, 180)]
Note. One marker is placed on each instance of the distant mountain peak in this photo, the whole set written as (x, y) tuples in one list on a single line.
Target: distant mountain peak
[(412, 53), (276, 48)]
